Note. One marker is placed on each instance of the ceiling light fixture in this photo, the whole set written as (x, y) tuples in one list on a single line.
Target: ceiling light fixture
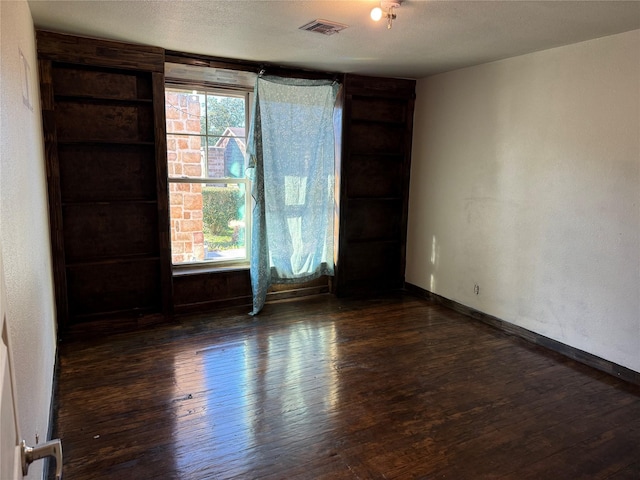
[(386, 10)]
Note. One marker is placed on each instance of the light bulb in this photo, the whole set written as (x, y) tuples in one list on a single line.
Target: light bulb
[(376, 14)]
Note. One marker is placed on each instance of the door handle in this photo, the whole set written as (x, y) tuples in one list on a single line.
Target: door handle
[(52, 448)]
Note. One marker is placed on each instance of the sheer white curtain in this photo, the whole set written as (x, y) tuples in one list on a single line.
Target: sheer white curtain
[(291, 163)]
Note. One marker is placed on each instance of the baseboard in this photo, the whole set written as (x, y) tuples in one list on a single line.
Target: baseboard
[(49, 467), (275, 296), (581, 356)]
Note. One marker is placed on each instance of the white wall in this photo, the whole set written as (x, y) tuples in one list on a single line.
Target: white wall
[(24, 230), (526, 180)]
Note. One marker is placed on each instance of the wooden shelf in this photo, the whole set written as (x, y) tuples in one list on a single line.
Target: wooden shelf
[(105, 153), (383, 154), (362, 241), (376, 153), (102, 99), (394, 124), (118, 201), (96, 142), (92, 262), (118, 317), (366, 198)]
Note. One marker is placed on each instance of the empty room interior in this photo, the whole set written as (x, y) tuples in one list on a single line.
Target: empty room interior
[(343, 239)]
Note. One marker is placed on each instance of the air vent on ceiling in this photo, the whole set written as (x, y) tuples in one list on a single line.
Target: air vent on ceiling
[(324, 27)]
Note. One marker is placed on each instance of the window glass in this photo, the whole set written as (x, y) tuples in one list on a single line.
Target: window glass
[(223, 113), (206, 161)]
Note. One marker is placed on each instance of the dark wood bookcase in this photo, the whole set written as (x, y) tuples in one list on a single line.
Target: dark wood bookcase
[(103, 117), (105, 148), (374, 183)]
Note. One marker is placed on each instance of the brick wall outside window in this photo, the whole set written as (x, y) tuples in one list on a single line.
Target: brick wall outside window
[(185, 156)]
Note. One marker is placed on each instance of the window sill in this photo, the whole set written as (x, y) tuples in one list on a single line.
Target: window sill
[(181, 270)]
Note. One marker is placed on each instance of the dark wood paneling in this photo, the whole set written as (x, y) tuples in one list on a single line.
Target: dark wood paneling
[(106, 119), (374, 138), (373, 219), (110, 230), (206, 290), (375, 176), (104, 136), (59, 47), (117, 287), (373, 262), (188, 58), (379, 87), (162, 191), (101, 122), (70, 80), (388, 110), (125, 172), (54, 192), (374, 184)]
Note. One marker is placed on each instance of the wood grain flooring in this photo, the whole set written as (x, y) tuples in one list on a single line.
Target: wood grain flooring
[(326, 388)]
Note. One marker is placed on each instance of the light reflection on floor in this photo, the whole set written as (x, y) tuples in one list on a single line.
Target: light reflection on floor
[(244, 388)]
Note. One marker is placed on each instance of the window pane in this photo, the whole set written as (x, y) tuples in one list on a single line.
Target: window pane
[(206, 163), (224, 222), (185, 156), (207, 222), (185, 111), (225, 115), (226, 156)]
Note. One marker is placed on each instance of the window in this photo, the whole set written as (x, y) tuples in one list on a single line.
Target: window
[(209, 196)]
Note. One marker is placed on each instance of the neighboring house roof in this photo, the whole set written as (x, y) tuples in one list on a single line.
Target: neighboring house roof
[(237, 133)]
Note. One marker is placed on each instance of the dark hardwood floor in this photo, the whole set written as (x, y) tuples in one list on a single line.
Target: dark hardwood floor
[(326, 388)]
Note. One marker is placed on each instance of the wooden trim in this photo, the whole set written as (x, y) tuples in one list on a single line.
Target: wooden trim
[(195, 60), (380, 87), (189, 84), (52, 429), (371, 259), (406, 169), (64, 48), (573, 353), (162, 192), (340, 287), (297, 293), (52, 166), (99, 328), (211, 305), (245, 65)]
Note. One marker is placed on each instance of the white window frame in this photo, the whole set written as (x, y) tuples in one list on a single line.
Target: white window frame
[(214, 265)]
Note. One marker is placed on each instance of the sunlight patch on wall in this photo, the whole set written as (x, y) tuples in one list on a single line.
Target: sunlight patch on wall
[(435, 256)]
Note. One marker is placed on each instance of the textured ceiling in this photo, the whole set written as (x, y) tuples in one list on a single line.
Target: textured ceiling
[(427, 37)]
